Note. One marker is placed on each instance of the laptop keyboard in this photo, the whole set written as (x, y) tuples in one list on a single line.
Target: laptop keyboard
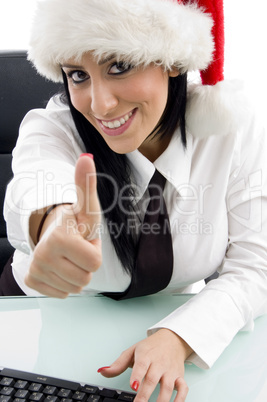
[(21, 386)]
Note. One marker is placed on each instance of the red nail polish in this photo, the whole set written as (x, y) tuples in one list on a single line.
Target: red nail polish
[(135, 385), (90, 155), (102, 368)]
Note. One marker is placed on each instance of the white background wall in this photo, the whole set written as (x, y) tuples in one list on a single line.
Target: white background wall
[(245, 52)]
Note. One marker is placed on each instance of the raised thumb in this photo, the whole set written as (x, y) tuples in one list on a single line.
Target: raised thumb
[(87, 208)]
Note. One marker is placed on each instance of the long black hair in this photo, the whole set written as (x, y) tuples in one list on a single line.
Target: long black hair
[(113, 168)]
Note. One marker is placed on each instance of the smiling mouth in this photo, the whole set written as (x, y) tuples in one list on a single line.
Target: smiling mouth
[(117, 123)]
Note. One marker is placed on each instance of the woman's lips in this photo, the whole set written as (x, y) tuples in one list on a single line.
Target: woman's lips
[(117, 126)]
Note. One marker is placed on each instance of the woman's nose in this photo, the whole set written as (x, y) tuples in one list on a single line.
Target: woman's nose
[(103, 99)]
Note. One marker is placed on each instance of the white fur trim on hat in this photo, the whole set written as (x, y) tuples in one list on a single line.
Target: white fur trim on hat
[(216, 109), (138, 31)]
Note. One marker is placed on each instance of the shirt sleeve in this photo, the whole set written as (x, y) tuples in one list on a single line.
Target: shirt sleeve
[(210, 319), (43, 166)]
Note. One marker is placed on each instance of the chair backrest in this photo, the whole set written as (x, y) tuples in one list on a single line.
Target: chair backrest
[(21, 89)]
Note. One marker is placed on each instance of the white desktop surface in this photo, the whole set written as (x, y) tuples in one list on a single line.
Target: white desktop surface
[(72, 338)]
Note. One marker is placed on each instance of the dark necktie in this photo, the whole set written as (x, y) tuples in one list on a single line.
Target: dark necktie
[(154, 261)]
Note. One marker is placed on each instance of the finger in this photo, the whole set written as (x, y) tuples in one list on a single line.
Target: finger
[(71, 275), (86, 209), (84, 254), (146, 383), (120, 365), (55, 270), (65, 245), (39, 277), (139, 371), (166, 389), (43, 288), (182, 390)]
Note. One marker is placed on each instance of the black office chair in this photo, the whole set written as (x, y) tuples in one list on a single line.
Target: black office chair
[(21, 89)]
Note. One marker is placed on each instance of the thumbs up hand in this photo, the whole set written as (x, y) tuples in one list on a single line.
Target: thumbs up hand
[(69, 250)]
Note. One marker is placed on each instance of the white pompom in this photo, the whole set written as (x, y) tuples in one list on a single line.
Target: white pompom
[(217, 109)]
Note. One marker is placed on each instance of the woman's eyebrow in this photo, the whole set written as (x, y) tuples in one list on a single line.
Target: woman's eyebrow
[(100, 62), (106, 59), (71, 66)]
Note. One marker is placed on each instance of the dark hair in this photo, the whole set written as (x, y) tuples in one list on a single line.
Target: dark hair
[(114, 168)]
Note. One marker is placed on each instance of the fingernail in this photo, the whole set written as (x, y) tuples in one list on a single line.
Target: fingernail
[(90, 155), (102, 368), (135, 385)]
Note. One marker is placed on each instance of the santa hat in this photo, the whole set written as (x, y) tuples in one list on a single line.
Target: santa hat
[(183, 34)]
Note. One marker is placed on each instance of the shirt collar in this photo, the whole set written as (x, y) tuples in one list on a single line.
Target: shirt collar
[(174, 164)]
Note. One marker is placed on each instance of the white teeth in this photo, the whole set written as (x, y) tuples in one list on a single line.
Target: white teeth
[(117, 123)]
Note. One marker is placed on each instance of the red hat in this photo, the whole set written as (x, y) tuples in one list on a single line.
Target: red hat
[(215, 72)]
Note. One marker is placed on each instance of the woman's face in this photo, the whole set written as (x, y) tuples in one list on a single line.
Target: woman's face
[(122, 102)]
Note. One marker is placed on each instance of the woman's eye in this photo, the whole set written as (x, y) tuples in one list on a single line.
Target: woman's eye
[(78, 76), (120, 68)]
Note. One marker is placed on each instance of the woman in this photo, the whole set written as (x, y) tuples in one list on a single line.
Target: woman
[(82, 219)]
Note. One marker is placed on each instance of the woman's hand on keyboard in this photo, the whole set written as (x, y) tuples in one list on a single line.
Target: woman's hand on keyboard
[(156, 359), (69, 249)]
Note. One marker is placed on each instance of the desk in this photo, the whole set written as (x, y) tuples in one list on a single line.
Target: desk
[(72, 338)]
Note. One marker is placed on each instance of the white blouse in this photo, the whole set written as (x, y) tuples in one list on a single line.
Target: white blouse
[(216, 196)]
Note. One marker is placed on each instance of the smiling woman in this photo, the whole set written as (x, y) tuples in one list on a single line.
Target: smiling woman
[(117, 98), (168, 178)]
